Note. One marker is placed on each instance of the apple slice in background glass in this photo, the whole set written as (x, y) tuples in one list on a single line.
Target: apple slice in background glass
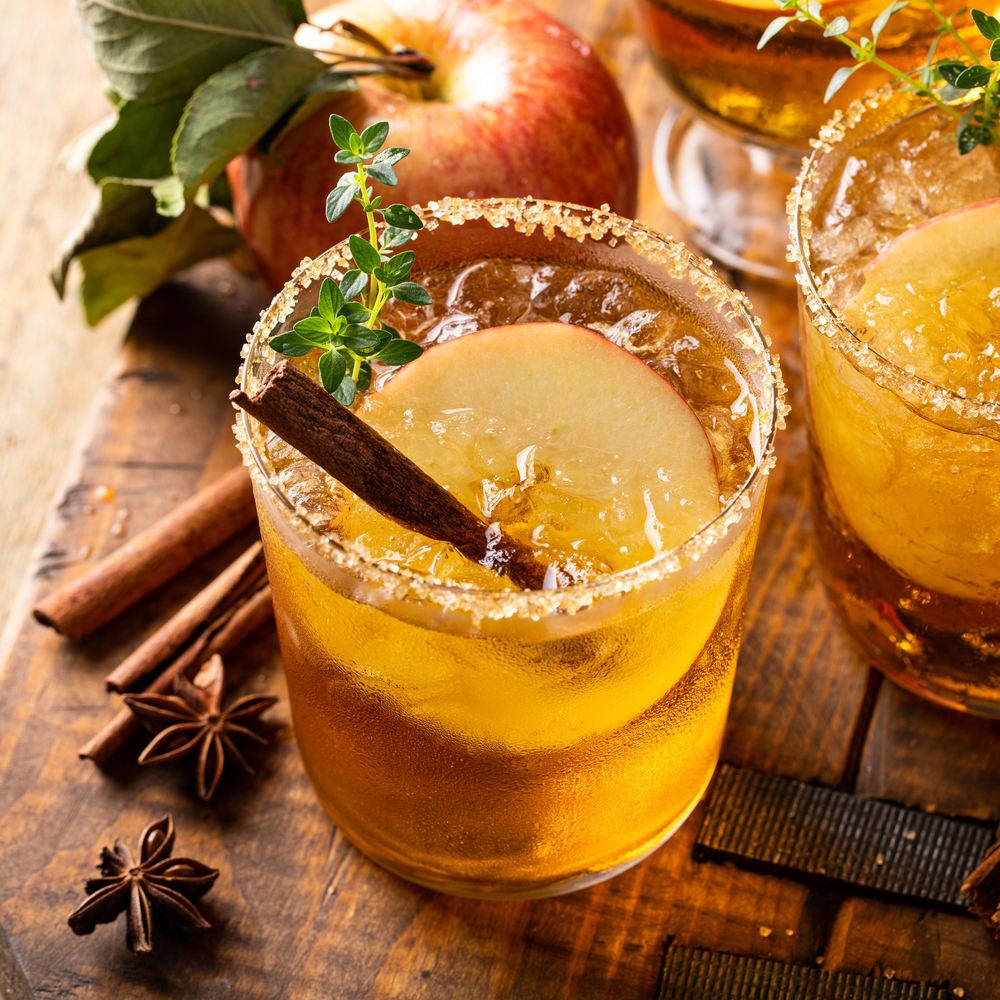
[(517, 105)]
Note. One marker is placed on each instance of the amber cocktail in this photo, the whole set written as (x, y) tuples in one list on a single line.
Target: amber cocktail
[(468, 735), (899, 244)]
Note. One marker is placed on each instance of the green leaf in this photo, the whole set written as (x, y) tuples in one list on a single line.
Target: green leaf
[(391, 156), (233, 108), (401, 217), (346, 391), (995, 50), (410, 291), (338, 200), (364, 376), (318, 95), (330, 299), (352, 285), (342, 131), (772, 29), (399, 352), (883, 18), (135, 266), (393, 237), (974, 76), (837, 27), (317, 328), (391, 330), (121, 209), (332, 370), (345, 156), (839, 79), (355, 312), (365, 255), (951, 71), (988, 25), (138, 145), (360, 338), (290, 344), (383, 173), (169, 194), (374, 136), (152, 49)]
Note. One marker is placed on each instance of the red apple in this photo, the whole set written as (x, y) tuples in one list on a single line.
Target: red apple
[(517, 105)]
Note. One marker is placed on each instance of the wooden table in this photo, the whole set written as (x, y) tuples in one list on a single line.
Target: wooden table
[(297, 911)]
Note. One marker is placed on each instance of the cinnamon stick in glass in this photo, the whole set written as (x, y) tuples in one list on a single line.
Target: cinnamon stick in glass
[(224, 591), (154, 556), (313, 422), (235, 626)]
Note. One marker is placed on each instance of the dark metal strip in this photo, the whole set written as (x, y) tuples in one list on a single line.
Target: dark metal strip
[(787, 828), (695, 974)]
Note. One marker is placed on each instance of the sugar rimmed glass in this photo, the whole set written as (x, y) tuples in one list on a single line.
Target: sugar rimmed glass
[(906, 473), (510, 744)]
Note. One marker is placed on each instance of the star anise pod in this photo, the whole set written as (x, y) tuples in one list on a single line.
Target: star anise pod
[(983, 889), (192, 719), (157, 885)]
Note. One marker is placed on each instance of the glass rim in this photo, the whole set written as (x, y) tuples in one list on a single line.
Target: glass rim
[(830, 320), (577, 222)]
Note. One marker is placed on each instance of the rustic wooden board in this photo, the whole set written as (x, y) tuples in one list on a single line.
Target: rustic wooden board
[(297, 911)]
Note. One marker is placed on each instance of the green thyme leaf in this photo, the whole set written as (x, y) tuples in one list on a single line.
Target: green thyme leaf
[(951, 71), (772, 29), (330, 299), (989, 26), (974, 76), (374, 136), (402, 217), (352, 285), (391, 330), (837, 27), (410, 291), (339, 199), (346, 156), (290, 344), (839, 79), (355, 312), (399, 352), (342, 131), (364, 376), (394, 237), (313, 326), (391, 156), (365, 255), (332, 369), (346, 391), (883, 18), (360, 338), (383, 173)]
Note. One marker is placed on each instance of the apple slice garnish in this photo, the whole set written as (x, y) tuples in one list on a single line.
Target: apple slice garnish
[(568, 441), (931, 300)]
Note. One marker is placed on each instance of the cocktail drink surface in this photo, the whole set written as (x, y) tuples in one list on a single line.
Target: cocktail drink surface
[(468, 735), (899, 237), (707, 49)]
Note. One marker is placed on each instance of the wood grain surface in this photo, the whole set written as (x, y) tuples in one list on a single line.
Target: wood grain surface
[(297, 912)]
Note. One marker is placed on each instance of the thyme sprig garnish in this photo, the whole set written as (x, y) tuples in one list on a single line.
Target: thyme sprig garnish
[(345, 323), (943, 81)]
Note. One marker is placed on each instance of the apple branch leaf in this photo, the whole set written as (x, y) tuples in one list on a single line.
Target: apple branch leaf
[(118, 153), (135, 266), (153, 49), (233, 108)]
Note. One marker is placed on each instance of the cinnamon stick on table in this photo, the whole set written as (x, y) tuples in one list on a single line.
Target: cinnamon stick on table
[(227, 633), (154, 556), (309, 419), (225, 590)]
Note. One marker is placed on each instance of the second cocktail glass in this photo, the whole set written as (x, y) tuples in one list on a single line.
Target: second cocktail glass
[(496, 742)]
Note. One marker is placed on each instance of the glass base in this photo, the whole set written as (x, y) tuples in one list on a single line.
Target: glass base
[(729, 190)]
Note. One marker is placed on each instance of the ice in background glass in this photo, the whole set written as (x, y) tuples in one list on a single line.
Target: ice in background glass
[(503, 743), (732, 188), (905, 423)]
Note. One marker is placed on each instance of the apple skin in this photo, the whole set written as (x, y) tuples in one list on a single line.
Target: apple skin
[(520, 106)]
